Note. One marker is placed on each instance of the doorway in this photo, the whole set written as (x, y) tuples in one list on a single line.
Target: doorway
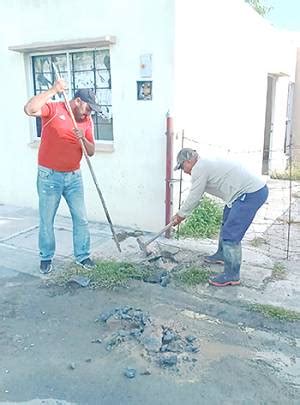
[(269, 123)]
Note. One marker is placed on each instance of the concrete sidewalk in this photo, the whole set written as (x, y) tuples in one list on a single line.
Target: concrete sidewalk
[(19, 254), (19, 229)]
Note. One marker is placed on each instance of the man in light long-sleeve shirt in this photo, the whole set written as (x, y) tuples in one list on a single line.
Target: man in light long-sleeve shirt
[(243, 193)]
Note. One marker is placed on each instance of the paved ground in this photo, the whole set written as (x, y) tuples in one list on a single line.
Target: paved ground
[(53, 351)]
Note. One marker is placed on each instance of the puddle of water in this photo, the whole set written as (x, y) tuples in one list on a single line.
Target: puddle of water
[(287, 366), (200, 317), (216, 351)]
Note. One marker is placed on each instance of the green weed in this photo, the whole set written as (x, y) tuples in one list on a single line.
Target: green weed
[(193, 276), (107, 274), (271, 311), (278, 271), (205, 220), (293, 174), (259, 241)]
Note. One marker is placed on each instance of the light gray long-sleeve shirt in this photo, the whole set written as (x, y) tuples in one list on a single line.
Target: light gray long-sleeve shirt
[(222, 178)]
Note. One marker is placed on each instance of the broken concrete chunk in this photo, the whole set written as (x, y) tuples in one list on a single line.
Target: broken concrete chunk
[(96, 341), (175, 347), (136, 233), (130, 372), (151, 339), (190, 338), (165, 254), (121, 236), (123, 333), (136, 333), (114, 341), (80, 280), (104, 316), (192, 349), (166, 360), (146, 372), (155, 277), (165, 280), (168, 336), (158, 277)]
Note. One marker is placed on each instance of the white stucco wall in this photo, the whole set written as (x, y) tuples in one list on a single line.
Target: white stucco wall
[(296, 113), (210, 65), (132, 177), (224, 52)]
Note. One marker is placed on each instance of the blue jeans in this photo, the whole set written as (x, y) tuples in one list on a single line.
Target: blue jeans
[(238, 218), (51, 185)]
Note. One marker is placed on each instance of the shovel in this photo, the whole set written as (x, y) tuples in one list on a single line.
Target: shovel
[(143, 245)]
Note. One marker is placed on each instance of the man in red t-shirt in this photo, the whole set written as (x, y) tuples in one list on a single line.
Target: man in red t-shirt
[(59, 173)]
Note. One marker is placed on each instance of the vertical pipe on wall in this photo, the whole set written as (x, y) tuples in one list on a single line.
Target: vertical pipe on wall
[(169, 168), (180, 184)]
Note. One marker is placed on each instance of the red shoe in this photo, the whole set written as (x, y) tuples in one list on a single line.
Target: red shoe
[(223, 280)]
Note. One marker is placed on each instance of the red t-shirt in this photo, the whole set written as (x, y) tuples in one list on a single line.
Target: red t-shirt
[(60, 149)]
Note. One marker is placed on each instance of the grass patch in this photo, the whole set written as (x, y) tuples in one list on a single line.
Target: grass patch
[(293, 174), (278, 271), (259, 241), (193, 276), (271, 311), (107, 274), (204, 221)]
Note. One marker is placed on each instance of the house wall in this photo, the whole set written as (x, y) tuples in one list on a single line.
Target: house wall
[(132, 177), (296, 115), (224, 52), (210, 72)]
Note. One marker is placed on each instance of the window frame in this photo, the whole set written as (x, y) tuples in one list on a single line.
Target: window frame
[(100, 144)]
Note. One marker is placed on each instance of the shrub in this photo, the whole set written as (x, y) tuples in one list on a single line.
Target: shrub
[(204, 221), (293, 174)]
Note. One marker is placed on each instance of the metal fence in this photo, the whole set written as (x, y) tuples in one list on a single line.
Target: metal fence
[(276, 227)]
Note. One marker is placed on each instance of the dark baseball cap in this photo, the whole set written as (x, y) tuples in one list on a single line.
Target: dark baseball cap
[(89, 97), (183, 155)]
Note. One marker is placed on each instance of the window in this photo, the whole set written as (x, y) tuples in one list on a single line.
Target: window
[(80, 69)]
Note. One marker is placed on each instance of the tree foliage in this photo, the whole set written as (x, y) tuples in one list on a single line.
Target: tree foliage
[(258, 6)]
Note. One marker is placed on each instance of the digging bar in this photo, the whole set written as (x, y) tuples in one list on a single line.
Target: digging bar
[(143, 245), (68, 107)]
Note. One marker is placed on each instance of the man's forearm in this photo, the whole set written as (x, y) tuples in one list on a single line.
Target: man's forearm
[(89, 146), (34, 105), (194, 197)]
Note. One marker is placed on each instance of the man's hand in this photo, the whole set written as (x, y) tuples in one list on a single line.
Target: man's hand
[(78, 133), (59, 86), (34, 106), (177, 219), (89, 146)]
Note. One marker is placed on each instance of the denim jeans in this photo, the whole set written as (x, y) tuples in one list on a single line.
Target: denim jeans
[(51, 185)]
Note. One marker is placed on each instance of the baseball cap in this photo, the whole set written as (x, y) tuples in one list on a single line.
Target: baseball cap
[(89, 97), (183, 155)]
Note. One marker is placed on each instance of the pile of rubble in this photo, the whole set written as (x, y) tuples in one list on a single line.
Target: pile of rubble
[(163, 345)]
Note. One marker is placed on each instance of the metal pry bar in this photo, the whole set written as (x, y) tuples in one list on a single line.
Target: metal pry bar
[(143, 245), (89, 165)]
